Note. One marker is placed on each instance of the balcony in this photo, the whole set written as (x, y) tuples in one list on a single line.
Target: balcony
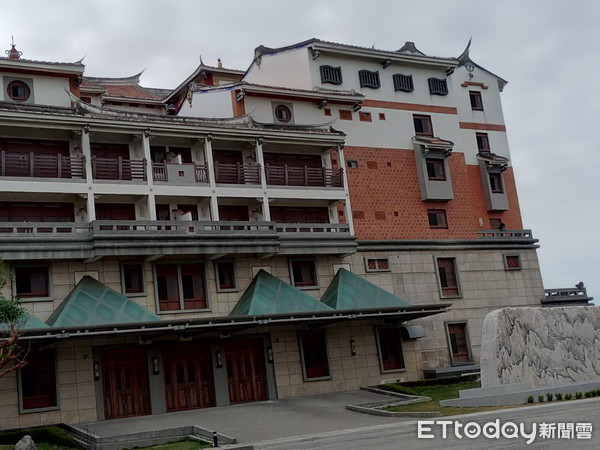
[(237, 173), (180, 173), (32, 165), (505, 234), (64, 240), (120, 169), (576, 296), (303, 176)]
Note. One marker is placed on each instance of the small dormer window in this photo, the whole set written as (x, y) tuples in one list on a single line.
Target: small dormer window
[(283, 113), (369, 79), (438, 86), (18, 91)]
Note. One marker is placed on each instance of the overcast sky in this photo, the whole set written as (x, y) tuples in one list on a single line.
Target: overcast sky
[(547, 50)]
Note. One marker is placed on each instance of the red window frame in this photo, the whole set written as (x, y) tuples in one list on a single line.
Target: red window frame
[(437, 218), (303, 272), (180, 287), (476, 100), (390, 349), (448, 276), (225, 275), (423, 125), (496, 185), (38, 381), (458, 340), (315, 358), (483, 142), (436, 169), (32, 281), (133, 278)]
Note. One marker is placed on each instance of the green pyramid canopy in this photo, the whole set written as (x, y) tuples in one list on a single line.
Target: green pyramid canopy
[(93, 303), (29, 322), (349, 291), (269, 295)]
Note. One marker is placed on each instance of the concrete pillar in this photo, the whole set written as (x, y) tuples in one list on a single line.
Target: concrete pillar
[(86, 150), (347, 207), (210, 172), (150, 174)]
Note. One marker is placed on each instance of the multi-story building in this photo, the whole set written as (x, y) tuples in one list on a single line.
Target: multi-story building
[(333, 217)]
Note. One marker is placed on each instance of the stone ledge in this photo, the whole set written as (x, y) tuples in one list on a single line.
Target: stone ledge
[(374, 408)]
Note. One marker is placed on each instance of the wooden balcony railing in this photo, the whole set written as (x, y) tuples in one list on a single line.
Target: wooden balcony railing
[(34, 165), (159, 172), (118, 169), (303, 176), (237, 173)]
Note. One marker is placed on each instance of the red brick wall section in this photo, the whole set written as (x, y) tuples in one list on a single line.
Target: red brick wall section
[(392, 190)]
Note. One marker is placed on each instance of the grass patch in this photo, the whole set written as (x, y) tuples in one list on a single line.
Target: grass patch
[(397, 388), (45, 438), (443, 392), (184, 444)]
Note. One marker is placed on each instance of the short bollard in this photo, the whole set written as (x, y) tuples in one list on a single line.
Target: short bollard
[(215, 439)]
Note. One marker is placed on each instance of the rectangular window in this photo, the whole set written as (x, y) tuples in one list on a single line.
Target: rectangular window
[(423, 126), (435, 169), (512, 262), (476, 101), (483, 144), (38, 381), (345, 114), (313, 349), (403, 82), (303, 273), (448, 277), (390, 349), (225, 273), (180, 287), (31, 282), (352, 163), (495, 223), (458, 341), (496, 183), (133, 278), (438, 86), (437, 218), (330, 74), (381, 116), (369, 79), (327, 111), (364, 116), (377, 264)]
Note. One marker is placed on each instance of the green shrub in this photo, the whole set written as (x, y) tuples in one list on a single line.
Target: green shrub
[(559, 396), (530, 399), (50, 435), (441, 381), (541, 398), (588, 394), (549, 396), (568, 396), (578, 395)]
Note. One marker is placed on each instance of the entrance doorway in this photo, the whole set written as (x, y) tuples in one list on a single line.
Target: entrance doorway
[(188, 378), (125, 383), (245, 371)]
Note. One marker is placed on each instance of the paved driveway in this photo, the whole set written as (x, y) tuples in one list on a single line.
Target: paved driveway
[(261, 421)]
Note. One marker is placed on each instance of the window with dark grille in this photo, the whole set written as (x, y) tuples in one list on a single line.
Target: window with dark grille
[(345, 114), (31, 282), (352, 163), (364, 116), (38, 381), (390, 349), (283, 113), (369, 79), (357, 215), (381, 116), (313, 347), (330, 74), (438, 86), (377, 264), (403, 82), (327, 111), (423, 126), (459, 344), (483, 143), (225, 275), (496, 183), (437, 218), (448, 276), (18, 91), (512, 262), (435, 169), (372, 165), (379, 215), (303, 273), (495, 223), (476, 101), (180, 287), (133, 278)]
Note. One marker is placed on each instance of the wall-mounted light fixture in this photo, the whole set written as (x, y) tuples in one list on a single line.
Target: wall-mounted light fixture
[(357, 107), (323, 103), (240, 96), (96, 370), (387, 63), (470, 68), (270, 355), (219, 358), (352, 347), (155, 367)]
